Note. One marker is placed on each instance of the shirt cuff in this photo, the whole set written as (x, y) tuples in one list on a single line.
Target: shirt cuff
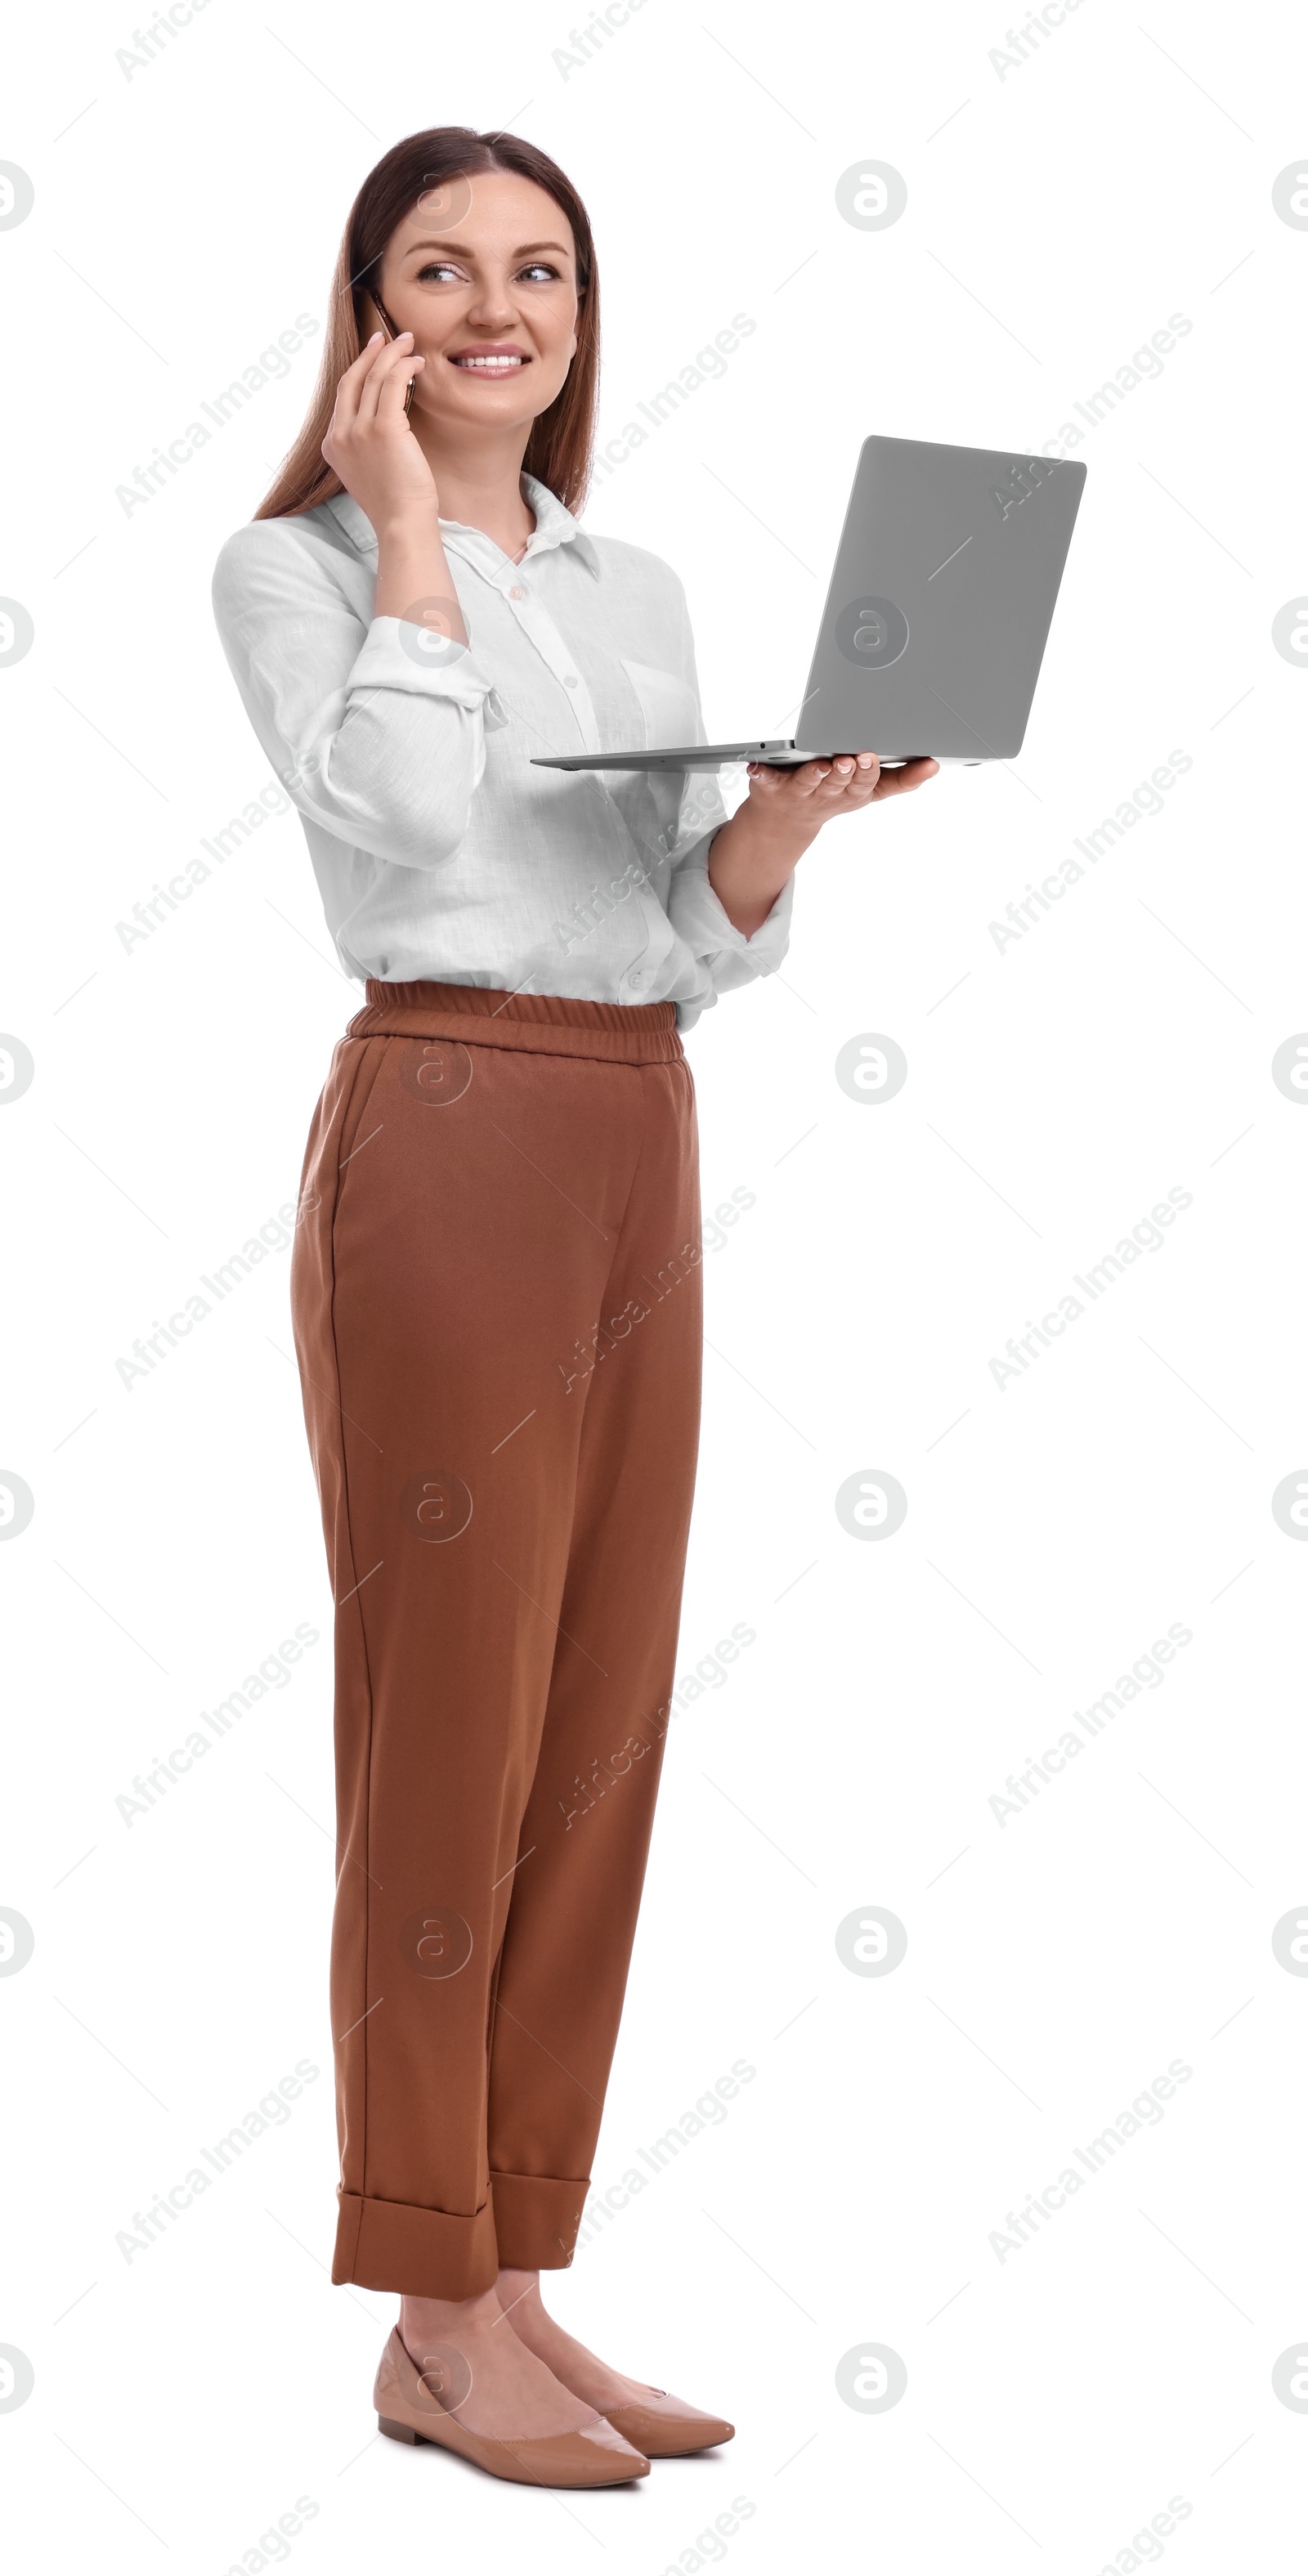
[(699, 918), (419, 660)]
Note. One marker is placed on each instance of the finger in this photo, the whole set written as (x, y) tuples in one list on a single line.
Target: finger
[(358, 367), (867, 770), (356, 374), (394, 393), (392, 355), (384, 361), (899, 782), (863, 785), (807, 781), (771, 780), (347, 391), (833, 787)]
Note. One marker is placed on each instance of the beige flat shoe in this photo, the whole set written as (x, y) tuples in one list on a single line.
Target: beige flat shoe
[(666, 2428), (407, 2411)]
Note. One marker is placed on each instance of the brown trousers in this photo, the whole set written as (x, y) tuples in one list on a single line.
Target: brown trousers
[(497, 1306)]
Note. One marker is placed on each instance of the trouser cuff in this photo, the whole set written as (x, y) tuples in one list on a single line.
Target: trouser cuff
[(536, 2219), (422, 2253)]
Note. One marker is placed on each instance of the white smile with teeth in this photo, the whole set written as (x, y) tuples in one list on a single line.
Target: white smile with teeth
[(491, 366)]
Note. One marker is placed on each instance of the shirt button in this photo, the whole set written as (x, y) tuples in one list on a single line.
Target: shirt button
[(570, 681), (517, 591), (638, 975)]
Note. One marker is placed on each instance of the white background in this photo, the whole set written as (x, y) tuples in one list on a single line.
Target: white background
[(1058, 1961)]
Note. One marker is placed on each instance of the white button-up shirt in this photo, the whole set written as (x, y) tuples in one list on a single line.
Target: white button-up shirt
[(439, 851)]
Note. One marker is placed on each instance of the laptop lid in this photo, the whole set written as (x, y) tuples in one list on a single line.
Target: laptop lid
[(940, 601)]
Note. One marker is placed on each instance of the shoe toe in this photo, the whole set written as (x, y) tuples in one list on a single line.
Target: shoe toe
[(595, 2455), (603, 2436), (664, 2427)]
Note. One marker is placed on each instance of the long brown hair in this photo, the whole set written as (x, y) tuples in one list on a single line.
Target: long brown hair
[(559, 448)]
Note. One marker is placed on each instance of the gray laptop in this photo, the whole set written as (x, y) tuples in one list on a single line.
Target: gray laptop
[(932, 636)]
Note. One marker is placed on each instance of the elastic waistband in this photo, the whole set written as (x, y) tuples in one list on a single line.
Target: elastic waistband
[(539, 1023)]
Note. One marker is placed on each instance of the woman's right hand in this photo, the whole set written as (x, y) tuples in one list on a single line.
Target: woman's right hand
[(370, 444)]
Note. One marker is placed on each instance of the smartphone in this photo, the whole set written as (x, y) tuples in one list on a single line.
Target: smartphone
[(391, 334)]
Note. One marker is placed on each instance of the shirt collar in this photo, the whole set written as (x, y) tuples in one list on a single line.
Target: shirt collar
[(555, 526)]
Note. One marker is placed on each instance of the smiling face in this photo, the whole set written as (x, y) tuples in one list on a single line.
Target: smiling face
[(484, 274)]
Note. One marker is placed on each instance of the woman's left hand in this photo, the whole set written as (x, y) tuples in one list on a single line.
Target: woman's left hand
[(755, 854), (808, 797)]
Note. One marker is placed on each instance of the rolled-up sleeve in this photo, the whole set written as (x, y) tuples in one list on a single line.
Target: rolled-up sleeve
[(377, 732), (724, 955), (727, 956)]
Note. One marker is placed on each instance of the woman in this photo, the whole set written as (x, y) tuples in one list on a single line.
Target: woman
[(495, 1286)]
